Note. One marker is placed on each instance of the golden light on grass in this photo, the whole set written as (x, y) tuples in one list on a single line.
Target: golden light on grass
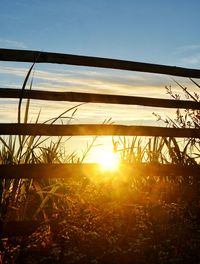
[(108, 160)]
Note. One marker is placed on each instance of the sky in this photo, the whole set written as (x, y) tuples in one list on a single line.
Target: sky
[(156, 31), (162, 32)]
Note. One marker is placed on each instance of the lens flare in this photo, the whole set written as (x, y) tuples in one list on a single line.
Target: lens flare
[(108, 160)]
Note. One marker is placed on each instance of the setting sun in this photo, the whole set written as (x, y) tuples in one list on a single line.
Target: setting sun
[(108, 160)]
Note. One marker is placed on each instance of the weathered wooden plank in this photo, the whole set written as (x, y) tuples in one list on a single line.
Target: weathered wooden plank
[(18, 228), (98, 98), (95, 130), (48, 57), (40, 171), (69, 170)]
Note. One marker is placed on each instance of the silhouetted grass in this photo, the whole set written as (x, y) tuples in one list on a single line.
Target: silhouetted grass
[(130, 219)]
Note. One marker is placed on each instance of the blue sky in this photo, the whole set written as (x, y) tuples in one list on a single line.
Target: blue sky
[(164, 32), (156, 31)]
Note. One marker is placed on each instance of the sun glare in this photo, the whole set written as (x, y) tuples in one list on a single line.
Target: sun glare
[(108, 160)]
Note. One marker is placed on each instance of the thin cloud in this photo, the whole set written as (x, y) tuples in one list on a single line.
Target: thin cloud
[(92, 81), (189, 55), (193, 60), (88, 113), (86, 81), (8, 43), (188, 48)]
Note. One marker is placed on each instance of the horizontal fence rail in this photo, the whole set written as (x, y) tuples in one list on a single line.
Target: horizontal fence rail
[(49, 57), (74, 170), (65, 171), (18, 228), (98, 98), (95, 130)]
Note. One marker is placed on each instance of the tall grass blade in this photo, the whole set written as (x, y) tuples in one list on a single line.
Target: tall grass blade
[(194, 82), (22, 92), (185, 90)]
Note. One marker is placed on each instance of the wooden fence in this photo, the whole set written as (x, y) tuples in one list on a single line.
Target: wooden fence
[(71, 170)]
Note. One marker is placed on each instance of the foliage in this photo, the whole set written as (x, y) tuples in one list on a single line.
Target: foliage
[(118, 220), (97, 225)]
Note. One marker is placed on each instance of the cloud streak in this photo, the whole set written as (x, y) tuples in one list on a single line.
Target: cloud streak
[(86, 81), (192, 60), (9, 43), (188, 48), (92, 81), (189, 55)]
